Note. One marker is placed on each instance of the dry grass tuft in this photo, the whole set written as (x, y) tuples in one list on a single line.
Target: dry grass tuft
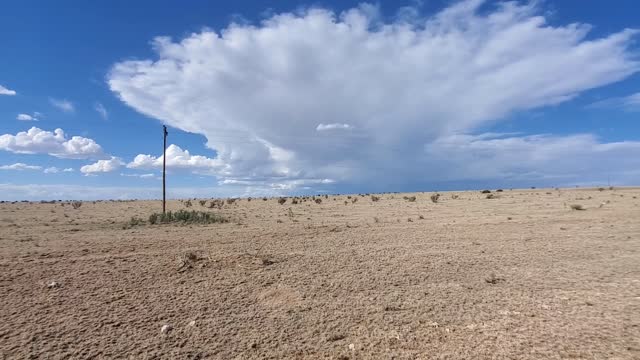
[(410, 198), (282, 200), (435, 198), (577, 207), (375, 198), (76, 204)]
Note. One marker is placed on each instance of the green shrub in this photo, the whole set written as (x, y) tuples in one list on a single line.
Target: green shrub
[(186, 217)]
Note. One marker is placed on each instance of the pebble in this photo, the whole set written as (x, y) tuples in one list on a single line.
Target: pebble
[(192, 323), (166, 328), (352, 347), (53, 285)]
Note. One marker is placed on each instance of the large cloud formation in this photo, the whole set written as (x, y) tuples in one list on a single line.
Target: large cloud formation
[(412, 93)]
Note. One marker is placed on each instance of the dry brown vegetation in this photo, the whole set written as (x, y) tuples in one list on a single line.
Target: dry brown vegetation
[(521, 276)]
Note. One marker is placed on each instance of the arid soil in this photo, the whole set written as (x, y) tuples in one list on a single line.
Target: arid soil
[(519, 276)]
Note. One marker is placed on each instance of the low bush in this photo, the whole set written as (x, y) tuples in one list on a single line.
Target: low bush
[(186, 217)]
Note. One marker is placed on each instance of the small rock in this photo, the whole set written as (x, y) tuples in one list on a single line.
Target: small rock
[(352, 347), (192, 323), (53, 285), (166, 328)]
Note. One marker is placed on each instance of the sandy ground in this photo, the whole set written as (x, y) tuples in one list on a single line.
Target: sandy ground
[(520, 276)]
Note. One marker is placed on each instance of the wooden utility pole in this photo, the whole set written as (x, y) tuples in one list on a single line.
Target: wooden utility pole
[(164, 170)]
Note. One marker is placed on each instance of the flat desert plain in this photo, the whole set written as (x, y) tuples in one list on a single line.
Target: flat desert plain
[(518, 276)]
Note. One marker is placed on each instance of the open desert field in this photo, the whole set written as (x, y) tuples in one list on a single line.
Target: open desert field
[(518, 276)]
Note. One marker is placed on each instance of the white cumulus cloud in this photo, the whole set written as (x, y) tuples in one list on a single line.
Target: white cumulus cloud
[(20, 167), (38, 141), (26, 117), (177, 158), (102, 166), (5, 91), (258, 92), (51, 170)]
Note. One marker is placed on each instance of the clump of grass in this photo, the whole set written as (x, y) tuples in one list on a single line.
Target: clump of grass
[(435, 198), (454, 197), (294, 201), (354, 200), (188, 203), (410, 198), (374, 198), (421, 217), (231, 201), (318, 201), (577, 207), (203, 202), (186, 217), (491, 196), (282, 200), (76, 204)]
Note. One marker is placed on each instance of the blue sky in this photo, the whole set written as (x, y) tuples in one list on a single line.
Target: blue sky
[(304, 97)]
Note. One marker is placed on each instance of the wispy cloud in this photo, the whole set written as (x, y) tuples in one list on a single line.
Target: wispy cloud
[(5, 91), (627, 103), (102, 111), (20, 167), (63, 104), (335, 126)]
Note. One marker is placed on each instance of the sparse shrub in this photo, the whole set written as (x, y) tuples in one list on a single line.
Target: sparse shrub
[(486, 192), (499, 190), (421, 217), (231, 201), (187, 203), (600, 189), (318, 201), (577, 207), (376, 220), (282, 200), (216, 203), (203, 202), (435, 198), (294, 201), (349, 197), (410, 198), (249, 199), (374, 198), (454, 196), (354, 200), (76, 204), (186, 217), (264, 199), (491, 196)]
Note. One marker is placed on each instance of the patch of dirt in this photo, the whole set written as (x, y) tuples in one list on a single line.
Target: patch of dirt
[(520, 276)]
